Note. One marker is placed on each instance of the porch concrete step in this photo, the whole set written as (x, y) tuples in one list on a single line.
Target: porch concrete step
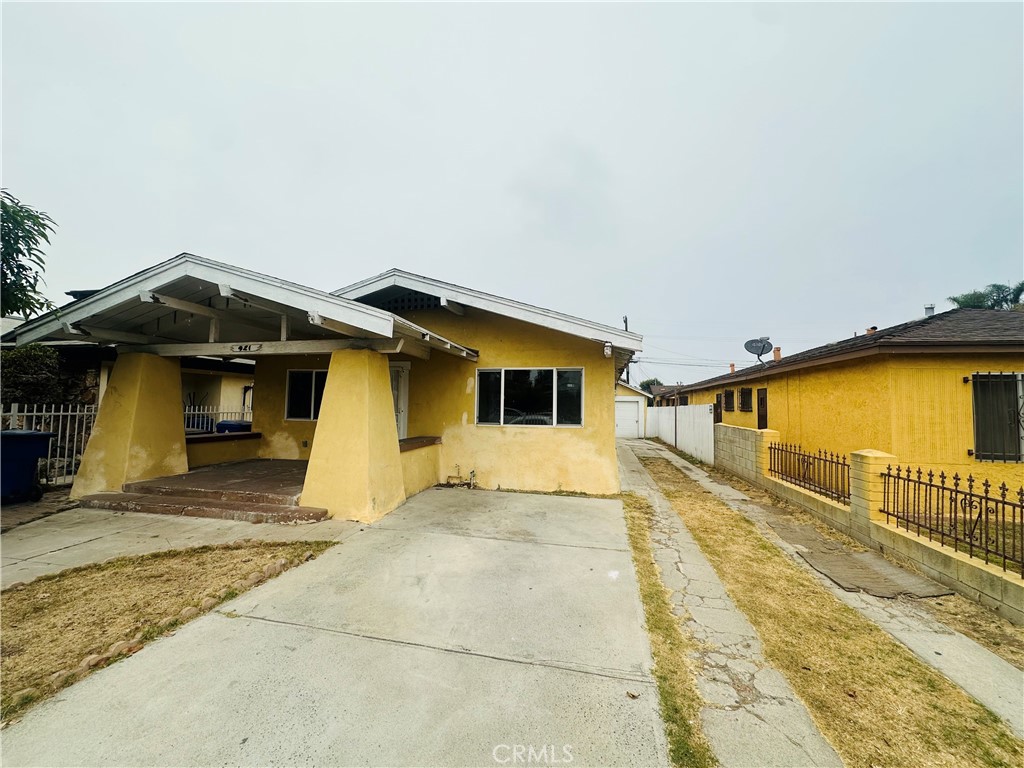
[(215, 495), (189, 506)]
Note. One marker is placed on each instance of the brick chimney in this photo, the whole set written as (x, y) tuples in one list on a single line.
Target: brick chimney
[(732, 367), (777, 354)]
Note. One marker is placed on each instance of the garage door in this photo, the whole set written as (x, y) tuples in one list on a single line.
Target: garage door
[(627, 418)]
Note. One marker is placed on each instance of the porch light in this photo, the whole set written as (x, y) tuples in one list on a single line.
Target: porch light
[(607, 349)]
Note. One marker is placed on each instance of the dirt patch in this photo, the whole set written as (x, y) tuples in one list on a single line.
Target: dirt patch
[(679, 698), (60, 627), (872, 699)]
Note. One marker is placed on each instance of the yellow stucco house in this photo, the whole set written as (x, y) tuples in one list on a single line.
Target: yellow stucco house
[(382, 388), (944, 393)]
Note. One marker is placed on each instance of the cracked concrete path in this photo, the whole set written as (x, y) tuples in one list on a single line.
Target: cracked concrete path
[(988, 678), (752, 716), (465, 628)]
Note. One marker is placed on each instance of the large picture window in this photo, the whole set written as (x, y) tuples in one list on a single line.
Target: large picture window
[(998, 416), (530, 397), (304, 395)]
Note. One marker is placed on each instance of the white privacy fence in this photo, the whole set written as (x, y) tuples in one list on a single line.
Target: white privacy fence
[(71, 424), (204, 418), (690, 428)]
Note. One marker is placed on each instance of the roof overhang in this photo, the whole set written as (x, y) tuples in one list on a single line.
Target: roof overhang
[(903, 348), (453, 297), (189, 306)]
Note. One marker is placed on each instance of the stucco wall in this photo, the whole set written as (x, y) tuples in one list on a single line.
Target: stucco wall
[(421, 468), (442, 394), (219, 451), (914, 406), (282, 439)]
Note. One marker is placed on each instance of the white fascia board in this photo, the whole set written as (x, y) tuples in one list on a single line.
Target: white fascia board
[(434, 340), (375, 321), (546, 318)]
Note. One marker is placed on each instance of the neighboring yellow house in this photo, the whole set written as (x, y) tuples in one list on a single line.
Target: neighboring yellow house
[(385, 387), (944, 393)]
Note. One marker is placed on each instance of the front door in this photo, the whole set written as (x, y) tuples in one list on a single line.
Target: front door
[(400, 395), (717, 411), (762, 408)]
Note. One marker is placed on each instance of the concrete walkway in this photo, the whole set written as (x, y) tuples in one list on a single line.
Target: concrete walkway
[(82, 536), (752, 716), (988, 678), (466, 628)]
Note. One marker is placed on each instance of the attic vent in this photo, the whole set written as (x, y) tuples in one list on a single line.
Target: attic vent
[(409, 301)]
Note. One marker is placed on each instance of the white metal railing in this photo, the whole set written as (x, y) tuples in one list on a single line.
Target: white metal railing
[(71, 424), (204, 418)]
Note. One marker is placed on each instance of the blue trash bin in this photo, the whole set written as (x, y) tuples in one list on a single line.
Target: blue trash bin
[(20, 451), (233, 425)]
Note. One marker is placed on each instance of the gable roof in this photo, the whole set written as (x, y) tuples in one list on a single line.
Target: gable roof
[(156, 306), (447, 292), (955, 330), (635, 389)]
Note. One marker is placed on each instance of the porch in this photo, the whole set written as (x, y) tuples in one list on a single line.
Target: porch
[(253, 490)]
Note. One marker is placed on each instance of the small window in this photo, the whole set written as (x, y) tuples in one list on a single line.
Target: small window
[(998, 416), (730, 400), (304, 395), (530, 397), (746, 399), (686, 400)]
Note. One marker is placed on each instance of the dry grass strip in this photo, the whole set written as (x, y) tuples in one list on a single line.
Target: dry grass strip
[(50, 626), (874, 701), (680, 700)]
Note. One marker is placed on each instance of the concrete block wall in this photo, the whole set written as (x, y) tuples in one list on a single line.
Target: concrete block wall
[(744, 452), (738, 449)]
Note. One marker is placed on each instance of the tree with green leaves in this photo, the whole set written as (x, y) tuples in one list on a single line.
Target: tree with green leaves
[(646, 384), (994, 296), (24, 233)]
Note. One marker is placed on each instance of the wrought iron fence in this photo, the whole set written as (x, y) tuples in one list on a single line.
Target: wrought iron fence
[(71, 424), (823, 472), (204, 418), (986, 525)]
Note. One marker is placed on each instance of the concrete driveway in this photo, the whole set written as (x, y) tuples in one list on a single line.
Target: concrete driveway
[(466, 628)]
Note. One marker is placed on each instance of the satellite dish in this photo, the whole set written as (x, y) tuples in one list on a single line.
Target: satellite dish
[(761, 346)]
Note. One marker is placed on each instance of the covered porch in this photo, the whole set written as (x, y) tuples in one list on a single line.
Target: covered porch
[(327, 401)]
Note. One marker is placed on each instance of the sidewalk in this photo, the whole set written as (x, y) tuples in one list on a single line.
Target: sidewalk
[(82, 536), (989, 679), (751, 708)]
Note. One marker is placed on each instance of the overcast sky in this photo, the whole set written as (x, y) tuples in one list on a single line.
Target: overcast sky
[(715, 172)]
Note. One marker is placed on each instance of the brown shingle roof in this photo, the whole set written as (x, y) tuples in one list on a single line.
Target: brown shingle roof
[(956, 328)]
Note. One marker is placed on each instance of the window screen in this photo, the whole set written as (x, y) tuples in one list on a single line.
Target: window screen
[(746, 399), (730, 400), (998, 408)]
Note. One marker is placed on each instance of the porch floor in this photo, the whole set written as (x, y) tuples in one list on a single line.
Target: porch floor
[(268, 480), (256, 490)]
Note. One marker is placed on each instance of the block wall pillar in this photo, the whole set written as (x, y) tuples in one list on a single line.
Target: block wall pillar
[(866, 490), (765, 437)]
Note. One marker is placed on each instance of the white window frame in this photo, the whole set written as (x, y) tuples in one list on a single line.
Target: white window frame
[(288, 387), (554, 397)]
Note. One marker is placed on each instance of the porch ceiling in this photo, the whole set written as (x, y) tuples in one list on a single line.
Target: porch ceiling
[(194, 306)]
